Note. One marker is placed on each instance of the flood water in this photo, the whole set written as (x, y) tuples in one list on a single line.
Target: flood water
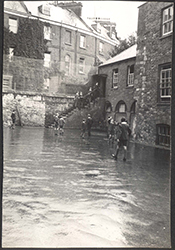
[(69, 192)]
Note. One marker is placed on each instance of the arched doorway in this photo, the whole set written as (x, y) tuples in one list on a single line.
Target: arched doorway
[(120, 111)]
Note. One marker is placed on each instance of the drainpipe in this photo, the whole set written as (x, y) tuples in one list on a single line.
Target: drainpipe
[(60, 46), (95, 51), (76, 43)]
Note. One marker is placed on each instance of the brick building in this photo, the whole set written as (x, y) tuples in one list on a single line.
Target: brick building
[(74, 49), (145, 102), (120, 85), (153, 73)]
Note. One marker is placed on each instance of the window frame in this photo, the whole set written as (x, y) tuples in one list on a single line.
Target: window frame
[(81, 65), (67, 62), (82, 43), (169, 21), (46, 83), (47, 62), (165, 68), (118, 106), (101, 48), (7, 83), (66, 36), (47, 36), (130, 76), (11, 53), (11, 26), (163, 139), (115, 78)]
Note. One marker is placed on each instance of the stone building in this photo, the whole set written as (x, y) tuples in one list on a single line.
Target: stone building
[(71, 49), (146, 100), (120, 78), (153, 73)]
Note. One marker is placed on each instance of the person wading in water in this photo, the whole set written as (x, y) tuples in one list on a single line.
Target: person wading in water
[(122, 135)]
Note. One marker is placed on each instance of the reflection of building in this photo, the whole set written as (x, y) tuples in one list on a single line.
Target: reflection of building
[(120, 85), (71, 50)]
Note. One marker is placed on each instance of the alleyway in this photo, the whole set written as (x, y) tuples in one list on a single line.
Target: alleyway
[(70, 192)]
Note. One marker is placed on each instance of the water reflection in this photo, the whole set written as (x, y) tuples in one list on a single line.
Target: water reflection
[(70, 192)]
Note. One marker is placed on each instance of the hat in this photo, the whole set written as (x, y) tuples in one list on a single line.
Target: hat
[(123, 119)]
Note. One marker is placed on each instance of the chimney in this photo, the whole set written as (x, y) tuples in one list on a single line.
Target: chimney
[(76, 7)]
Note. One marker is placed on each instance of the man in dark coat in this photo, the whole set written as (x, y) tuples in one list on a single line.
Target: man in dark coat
[(122, 138)]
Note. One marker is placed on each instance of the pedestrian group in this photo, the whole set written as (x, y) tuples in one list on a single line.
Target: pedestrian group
[(118, 133)]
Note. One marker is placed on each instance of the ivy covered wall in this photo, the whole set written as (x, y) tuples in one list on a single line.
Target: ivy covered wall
[(26, 66)]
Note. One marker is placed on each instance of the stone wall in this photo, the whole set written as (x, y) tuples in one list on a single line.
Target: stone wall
[(96, 110), (55, 105), (32, 109), (28, 74), (153, 50)]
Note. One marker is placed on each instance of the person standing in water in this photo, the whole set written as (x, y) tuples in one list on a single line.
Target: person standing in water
[(13, 117), (83, 128), (61, 125), (123, 132), (89, 122)]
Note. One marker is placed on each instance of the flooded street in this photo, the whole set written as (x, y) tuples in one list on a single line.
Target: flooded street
[(69, 192)]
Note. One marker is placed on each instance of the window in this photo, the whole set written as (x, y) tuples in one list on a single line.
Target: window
[(101, 48), (68, 36), (47, 32), (121, 107), (13, 25), (11, 53), (7, 82), (44, 9), (167, 20), (115, 78), (67, 64), (81, 65), (46, 83), (163, 134), (82, 41), (46, 59), (108, 106), (130, 81), (165, 81)]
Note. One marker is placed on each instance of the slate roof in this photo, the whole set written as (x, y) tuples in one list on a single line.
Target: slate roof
[(67, 17), (104, 33), (126, 54), (57, 14)]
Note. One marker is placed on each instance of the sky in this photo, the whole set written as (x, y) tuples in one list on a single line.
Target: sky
[(123, 13)]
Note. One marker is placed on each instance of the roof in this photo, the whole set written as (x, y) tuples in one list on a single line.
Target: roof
[(101, 58), (142, 4), (57, 14), (103, 32), (126, 54), (16, 6)]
